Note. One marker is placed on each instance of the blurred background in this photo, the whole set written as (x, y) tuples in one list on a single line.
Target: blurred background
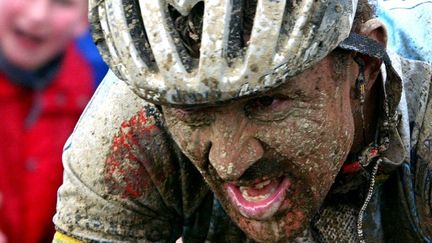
[(49, 69)]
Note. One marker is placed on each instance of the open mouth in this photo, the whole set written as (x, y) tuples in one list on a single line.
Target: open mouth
[(261, 199), (27, 40)]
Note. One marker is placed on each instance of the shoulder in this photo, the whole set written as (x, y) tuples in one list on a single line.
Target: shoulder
[(116, 134), (119, 161), (416, 174), (74, 61), (416, 77)]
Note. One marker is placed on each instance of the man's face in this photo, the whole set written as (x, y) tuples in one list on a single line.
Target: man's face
[(271, 160), (33, 32)]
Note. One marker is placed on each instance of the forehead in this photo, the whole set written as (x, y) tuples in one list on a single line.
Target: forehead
[(322, 76), (319, 73)]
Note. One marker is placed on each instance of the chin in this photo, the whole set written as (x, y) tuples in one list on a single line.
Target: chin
[(283, 229), (281, 214), (286, 226)]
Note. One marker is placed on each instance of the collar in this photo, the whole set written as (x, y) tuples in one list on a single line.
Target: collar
[(34, 80), (388, 145)]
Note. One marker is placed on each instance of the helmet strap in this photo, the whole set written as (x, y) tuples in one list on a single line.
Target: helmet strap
[(392, 87), (361, 90)]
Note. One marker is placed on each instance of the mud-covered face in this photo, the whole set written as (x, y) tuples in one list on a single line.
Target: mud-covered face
[(271, 160)]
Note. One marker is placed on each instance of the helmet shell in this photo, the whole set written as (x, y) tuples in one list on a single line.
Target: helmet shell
[(139, 41)]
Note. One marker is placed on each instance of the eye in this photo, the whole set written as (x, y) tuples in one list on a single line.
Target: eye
[(266, 100), (268, 108), (193, 117)]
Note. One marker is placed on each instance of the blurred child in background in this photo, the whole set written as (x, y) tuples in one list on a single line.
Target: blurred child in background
[(45, 83)]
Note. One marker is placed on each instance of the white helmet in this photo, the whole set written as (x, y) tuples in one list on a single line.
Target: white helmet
[(139, 41)]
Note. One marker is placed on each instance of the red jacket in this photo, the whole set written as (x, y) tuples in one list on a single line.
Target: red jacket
[(33, 130)]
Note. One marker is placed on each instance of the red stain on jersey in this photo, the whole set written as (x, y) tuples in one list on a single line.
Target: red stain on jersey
[(126, 171)]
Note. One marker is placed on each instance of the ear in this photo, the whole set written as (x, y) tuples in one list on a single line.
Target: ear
[(376, 30), (373, 29)]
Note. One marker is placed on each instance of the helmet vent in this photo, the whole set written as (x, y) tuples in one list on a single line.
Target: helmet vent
[(137, 32), (299, 37), (188, 30), (240, 26), (202, 52)]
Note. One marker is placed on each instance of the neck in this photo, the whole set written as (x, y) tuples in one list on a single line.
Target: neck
[(36, 79)]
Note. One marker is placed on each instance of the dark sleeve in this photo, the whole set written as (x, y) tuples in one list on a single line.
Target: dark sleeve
[(120, 179)]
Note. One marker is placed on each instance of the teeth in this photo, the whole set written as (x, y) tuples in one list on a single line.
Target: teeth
[(246, 196), (262, 184)]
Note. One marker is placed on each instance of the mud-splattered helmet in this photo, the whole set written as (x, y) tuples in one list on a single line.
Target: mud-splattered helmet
[(142, 44)]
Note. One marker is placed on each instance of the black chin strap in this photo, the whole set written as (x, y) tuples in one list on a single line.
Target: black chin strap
[(392, 88), (366, 46), (369, 47)]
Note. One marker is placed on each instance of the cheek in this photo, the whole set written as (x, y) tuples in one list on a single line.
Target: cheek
[(8, 11), (192, 142), (11, 7), (63, 18), (317, 141)]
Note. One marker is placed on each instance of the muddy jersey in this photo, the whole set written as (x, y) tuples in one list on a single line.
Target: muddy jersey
[(126, 180)]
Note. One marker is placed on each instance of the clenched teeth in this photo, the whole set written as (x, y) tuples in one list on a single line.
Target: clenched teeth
[(258, 198), (262, 184)]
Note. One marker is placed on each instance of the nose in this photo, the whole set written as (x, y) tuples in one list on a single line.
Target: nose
[(37, 11), (234, 147)]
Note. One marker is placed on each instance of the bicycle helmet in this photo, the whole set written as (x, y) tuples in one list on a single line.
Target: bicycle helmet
[(140, 42)]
